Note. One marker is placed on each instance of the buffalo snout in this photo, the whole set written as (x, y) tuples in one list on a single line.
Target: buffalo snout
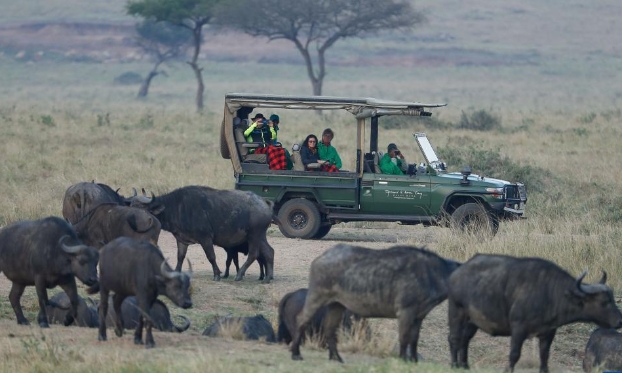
[(187, 304), (91, 281)]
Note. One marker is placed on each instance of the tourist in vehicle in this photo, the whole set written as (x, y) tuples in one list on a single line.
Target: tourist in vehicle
[(327, 151), (273, 123), (260, 131), (393, 162), (309, 154)]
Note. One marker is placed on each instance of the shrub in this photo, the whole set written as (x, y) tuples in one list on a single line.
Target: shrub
[(129, 78), (400, 122), (480, 120)]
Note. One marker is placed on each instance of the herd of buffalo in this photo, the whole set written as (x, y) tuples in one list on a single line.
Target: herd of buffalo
[(501, 295)]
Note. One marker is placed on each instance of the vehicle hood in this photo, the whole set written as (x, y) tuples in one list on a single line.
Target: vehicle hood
[(475, 179)]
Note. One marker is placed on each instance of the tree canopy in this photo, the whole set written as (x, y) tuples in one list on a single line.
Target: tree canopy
[(192, 14), (315, 25)]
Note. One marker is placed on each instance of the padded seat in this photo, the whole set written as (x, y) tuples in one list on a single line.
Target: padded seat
[(243, 148), (297, 160)]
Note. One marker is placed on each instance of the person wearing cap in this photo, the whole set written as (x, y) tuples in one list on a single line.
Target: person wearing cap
[(260, 131), (327, 151), (273, 122), (393, 162)]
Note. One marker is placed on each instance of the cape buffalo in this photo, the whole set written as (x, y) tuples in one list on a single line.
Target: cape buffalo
[(253, 328), (80, 198), (402, 282), (45, 253), (159, 314), (289, 308), (107, 221), (520, 298), (132, 267), (227, 218), (603, 350), (59, 306)]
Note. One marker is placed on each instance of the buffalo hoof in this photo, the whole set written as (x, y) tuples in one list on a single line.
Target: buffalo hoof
[(44, 324), (216, 277), (139, 341), (297, 357), (226, 275), (101, 338), (118, 332), (150, 345), (23, 322)]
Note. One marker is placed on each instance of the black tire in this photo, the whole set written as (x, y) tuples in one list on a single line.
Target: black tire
[(322, 232), (473, 218), (224, 148), (299, 219)]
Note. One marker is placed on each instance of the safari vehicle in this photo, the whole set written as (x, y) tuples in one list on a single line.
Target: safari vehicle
[(309, 203)]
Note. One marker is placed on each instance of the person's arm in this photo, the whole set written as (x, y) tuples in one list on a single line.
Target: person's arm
[(306, 156), (388, 167), (273, 133), (250, 129), (337, 159)]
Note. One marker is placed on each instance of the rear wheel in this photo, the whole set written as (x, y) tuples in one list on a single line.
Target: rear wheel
[(474, 218), (299, 219)]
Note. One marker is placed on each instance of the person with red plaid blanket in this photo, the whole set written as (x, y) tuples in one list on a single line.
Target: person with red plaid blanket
[(309, 154)]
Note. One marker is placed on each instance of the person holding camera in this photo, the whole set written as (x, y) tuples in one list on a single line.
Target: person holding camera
[(260, 131), (393, 162)]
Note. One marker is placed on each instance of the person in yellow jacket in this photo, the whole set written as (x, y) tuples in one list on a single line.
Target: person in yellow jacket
[(260, 131)]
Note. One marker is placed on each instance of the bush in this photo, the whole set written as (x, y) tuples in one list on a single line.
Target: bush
[(129, 78), (402, 122), (480, 120)]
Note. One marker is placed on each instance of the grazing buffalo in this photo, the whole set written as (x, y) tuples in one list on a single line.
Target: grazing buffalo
[(253, 328), (45, 253), (603, 350), (132, 267), (401, 282), (59, 306), (108, 221), (227, 218), (290, 307), (520, 298), (159, 315), (232, 255), (80, 198)]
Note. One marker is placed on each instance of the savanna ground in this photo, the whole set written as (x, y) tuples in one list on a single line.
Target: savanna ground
[(549, 74)]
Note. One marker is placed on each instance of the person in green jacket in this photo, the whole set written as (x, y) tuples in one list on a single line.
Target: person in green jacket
[(393, 162), (327, 151)]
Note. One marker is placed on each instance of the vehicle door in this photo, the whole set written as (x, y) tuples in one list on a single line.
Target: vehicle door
[(395, 194)]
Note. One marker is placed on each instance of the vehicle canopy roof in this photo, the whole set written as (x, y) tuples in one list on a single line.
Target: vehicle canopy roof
[(361, 107)]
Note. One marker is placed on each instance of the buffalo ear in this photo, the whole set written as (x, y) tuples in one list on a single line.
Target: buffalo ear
[(575, 296), (156, 210)]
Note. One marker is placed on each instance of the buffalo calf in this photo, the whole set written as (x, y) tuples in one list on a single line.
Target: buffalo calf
[(159, 314), (401, 282), (60, 306), (45, 253), (253, 328), (132, 267), (82, 197), (519, 298), (603, 350)]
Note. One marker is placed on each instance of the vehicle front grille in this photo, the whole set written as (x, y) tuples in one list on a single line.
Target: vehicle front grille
[(516, 192)]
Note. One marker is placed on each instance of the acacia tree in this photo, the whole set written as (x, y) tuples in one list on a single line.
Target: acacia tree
[(191, 14), (163, 41), (315, 25)]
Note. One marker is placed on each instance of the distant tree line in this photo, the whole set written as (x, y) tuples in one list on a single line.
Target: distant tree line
[(313, 26)]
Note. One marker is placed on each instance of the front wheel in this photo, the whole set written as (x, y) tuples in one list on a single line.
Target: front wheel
[(323, 231), (474, 218), (299, 219)]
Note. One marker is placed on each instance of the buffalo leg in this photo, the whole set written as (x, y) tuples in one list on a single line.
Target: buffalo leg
[(117, 301), (267, 254), (331, 323), (262, 266), (516, 344), (545, 341), (408, 329), (231, 256), (42, 294), (253, 253), (457, 321), (72, 293), (313, 303), (182, 249), (145, 318), (103, 311), (208, 248), (468, 332), (14, 297)]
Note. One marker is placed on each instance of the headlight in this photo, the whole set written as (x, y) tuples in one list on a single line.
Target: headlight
[(495, 192)]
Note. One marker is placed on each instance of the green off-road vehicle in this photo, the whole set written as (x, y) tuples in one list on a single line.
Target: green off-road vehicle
[(309, 202)]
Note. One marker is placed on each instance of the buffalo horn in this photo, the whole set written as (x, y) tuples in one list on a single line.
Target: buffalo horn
[(70, 249), (189, 268), (603, 279), (145, 199), (580, 279), (166, 273), (184, 326), (135, 192)]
